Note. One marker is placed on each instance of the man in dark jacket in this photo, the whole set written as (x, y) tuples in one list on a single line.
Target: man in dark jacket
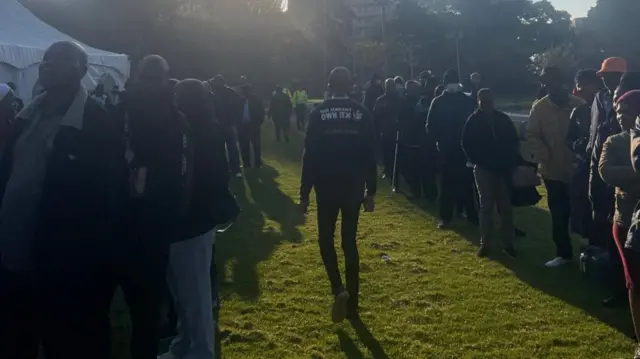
[(386, 116), (60, 175), (373, 92), (588, 84), (601, 195), (249, 128), (228, 106), (190, 261), (491, 143), (280, 111), (448, 114), (340, 164)]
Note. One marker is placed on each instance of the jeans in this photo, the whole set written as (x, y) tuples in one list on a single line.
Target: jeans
[(189, 279), (559, 201), (231, 140), (494, 192), (328, 210), (249, 137), (457, 189)]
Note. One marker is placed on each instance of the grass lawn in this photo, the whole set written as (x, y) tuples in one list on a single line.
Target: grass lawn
[(433, 300)]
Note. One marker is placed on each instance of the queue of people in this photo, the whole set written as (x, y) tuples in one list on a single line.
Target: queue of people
[(95, 199)]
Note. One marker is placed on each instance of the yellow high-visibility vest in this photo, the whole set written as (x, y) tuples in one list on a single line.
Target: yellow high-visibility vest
[(300, 97)]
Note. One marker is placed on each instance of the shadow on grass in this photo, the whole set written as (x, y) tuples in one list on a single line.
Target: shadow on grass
[(251, 241), (565, 283), (350, 348)]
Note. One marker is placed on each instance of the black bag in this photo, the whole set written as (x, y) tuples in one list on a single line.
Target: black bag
[(595, 264)]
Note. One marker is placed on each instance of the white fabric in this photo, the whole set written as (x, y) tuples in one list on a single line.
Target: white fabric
[(23, 40), (4, 90)]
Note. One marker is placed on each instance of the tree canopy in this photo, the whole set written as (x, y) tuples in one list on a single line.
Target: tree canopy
[(505, 40)]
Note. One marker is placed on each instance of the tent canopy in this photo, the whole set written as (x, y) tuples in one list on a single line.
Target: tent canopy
[(23, 40)]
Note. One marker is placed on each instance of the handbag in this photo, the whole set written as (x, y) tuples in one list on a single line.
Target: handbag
[(525, 176)]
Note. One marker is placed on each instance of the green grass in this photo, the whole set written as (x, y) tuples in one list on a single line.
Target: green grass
[(434, 300)]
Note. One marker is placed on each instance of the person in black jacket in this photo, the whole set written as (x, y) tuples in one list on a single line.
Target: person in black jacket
[(491, 143), (447, 116), (588, 84), (61, 174), (190, 259), (249, 128), (280, 111), (373, 92), (339, 162), (159, 152), (228, 107), (386, 116)]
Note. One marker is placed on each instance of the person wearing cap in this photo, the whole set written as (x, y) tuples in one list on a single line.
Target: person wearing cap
[(339, 163), (546, 136), (587, 85), (448, 114), (616, 169)]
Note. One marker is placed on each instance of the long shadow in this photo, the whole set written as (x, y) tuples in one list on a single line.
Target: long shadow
[(248, 243), (367, 338), (564, 283), (348, 346)]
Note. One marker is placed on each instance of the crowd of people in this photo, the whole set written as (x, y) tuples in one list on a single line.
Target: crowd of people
[(128, 190)]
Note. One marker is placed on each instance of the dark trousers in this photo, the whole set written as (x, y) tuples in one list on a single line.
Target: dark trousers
[(249, 137), (559, 201), (231, 141), (328, 210), (282, 125), (19, 337), (457, 188), (419, 174), (388, 155), (301, 115)]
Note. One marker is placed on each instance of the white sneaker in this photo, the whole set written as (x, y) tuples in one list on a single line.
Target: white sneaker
[(239, 175), (168, 355), (556, 262)]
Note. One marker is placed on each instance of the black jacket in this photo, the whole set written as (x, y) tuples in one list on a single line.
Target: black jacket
[(280, 107), (83, 195), (256, 112), (210, 176), (228, 105), (386, 115), (371, 95), (411, 123), (491, 141), (448, 115), (340, 152)]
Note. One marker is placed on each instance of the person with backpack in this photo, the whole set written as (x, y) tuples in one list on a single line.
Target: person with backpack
[(190, 259)]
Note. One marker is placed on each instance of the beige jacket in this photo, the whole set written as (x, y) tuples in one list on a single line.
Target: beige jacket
[(546, 134)]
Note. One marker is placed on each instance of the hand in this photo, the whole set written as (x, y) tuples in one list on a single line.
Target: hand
[(304, 206), (369, 204)]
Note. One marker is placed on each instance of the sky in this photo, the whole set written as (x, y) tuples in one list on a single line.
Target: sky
[(577, 8)]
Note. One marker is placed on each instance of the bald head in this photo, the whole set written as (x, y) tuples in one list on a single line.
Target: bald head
[(63, 66), (389, 86), (340, 81)]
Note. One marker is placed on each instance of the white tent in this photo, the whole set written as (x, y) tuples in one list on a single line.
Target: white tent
[(23, 40)]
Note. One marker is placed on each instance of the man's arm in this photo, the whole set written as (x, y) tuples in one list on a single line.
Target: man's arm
[(469, 140), (612, 174), (433, 120), (538, 147), (307, 180)]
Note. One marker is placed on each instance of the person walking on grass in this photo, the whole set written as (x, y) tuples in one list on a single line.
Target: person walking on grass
[(339, 162), (249, 135), (300, 99), (491, 143), (280, 110), (546, 136), (386, 114), (447, 117)]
